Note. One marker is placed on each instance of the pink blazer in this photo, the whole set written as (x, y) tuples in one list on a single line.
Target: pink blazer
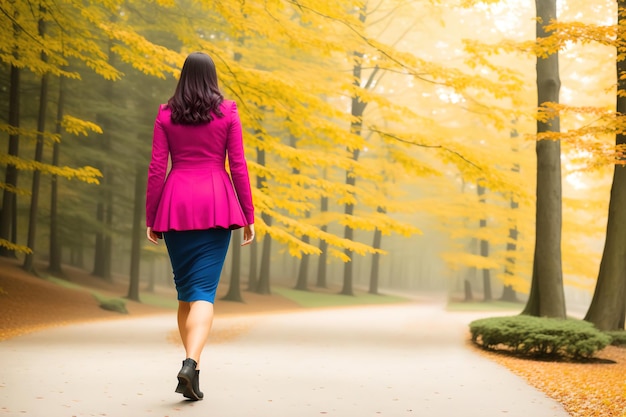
[(198, 192)]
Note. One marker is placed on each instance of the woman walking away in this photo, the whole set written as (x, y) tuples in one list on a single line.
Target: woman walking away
[(195, 207)]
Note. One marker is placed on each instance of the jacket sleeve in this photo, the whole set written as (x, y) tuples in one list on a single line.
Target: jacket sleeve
[(157, 170), (238, 165)]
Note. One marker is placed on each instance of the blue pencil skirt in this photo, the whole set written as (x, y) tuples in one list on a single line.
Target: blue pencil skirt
[(197, 258)]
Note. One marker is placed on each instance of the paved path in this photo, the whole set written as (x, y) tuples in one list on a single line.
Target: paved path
[(408, 360)]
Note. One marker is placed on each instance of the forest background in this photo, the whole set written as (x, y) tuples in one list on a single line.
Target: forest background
[(391, 143)]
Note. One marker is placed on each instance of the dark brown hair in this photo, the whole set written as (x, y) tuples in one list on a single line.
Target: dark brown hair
[(197, 96)]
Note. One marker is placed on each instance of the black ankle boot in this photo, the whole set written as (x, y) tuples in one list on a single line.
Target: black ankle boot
[(196, 394), (188, 380)]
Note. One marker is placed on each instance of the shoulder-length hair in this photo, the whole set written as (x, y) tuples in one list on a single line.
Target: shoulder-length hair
[(197, 96)]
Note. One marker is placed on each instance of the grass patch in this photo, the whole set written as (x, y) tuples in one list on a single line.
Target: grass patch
[(311, 299), (117, 304), (65, 283), (484, 306), (154, 300), (160, 301)]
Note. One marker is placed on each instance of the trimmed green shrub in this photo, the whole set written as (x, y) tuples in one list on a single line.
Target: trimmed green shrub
[(539, 336), (618, 337), (111, 304)]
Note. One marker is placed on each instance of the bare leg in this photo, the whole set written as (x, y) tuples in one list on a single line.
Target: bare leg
[(183, 313), (196, 328)]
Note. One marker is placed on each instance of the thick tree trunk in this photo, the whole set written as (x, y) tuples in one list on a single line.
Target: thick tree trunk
[(29, 260), (54, 263), (608, 306), (137, 233), (484, 248), (546, 295), (8, 216), (8, 219), (234, 288)]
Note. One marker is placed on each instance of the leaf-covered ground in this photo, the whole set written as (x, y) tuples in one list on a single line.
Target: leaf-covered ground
[(29, 303), (595, 389)]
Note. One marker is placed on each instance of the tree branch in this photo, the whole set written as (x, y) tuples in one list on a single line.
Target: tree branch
[(412, 71), (422, 145)]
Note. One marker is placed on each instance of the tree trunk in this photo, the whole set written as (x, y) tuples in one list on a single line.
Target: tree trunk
[(108, 220), (98, 256), (303, 271), (484, 247), (508, 292), (358, 108), (8, 219), (104, 217), (151, 279), (348, 233), (374, 273), (321, 263), (234, 288), (252, 276), (608, 306), (468, 291), (375, 263), (546, 295), (263, 285), (29, 260), (77, 256), (137, 233), (54, 263), (104, 209)]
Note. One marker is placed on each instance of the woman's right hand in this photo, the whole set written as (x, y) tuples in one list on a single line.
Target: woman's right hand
[(152, 236), (248, 234)]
